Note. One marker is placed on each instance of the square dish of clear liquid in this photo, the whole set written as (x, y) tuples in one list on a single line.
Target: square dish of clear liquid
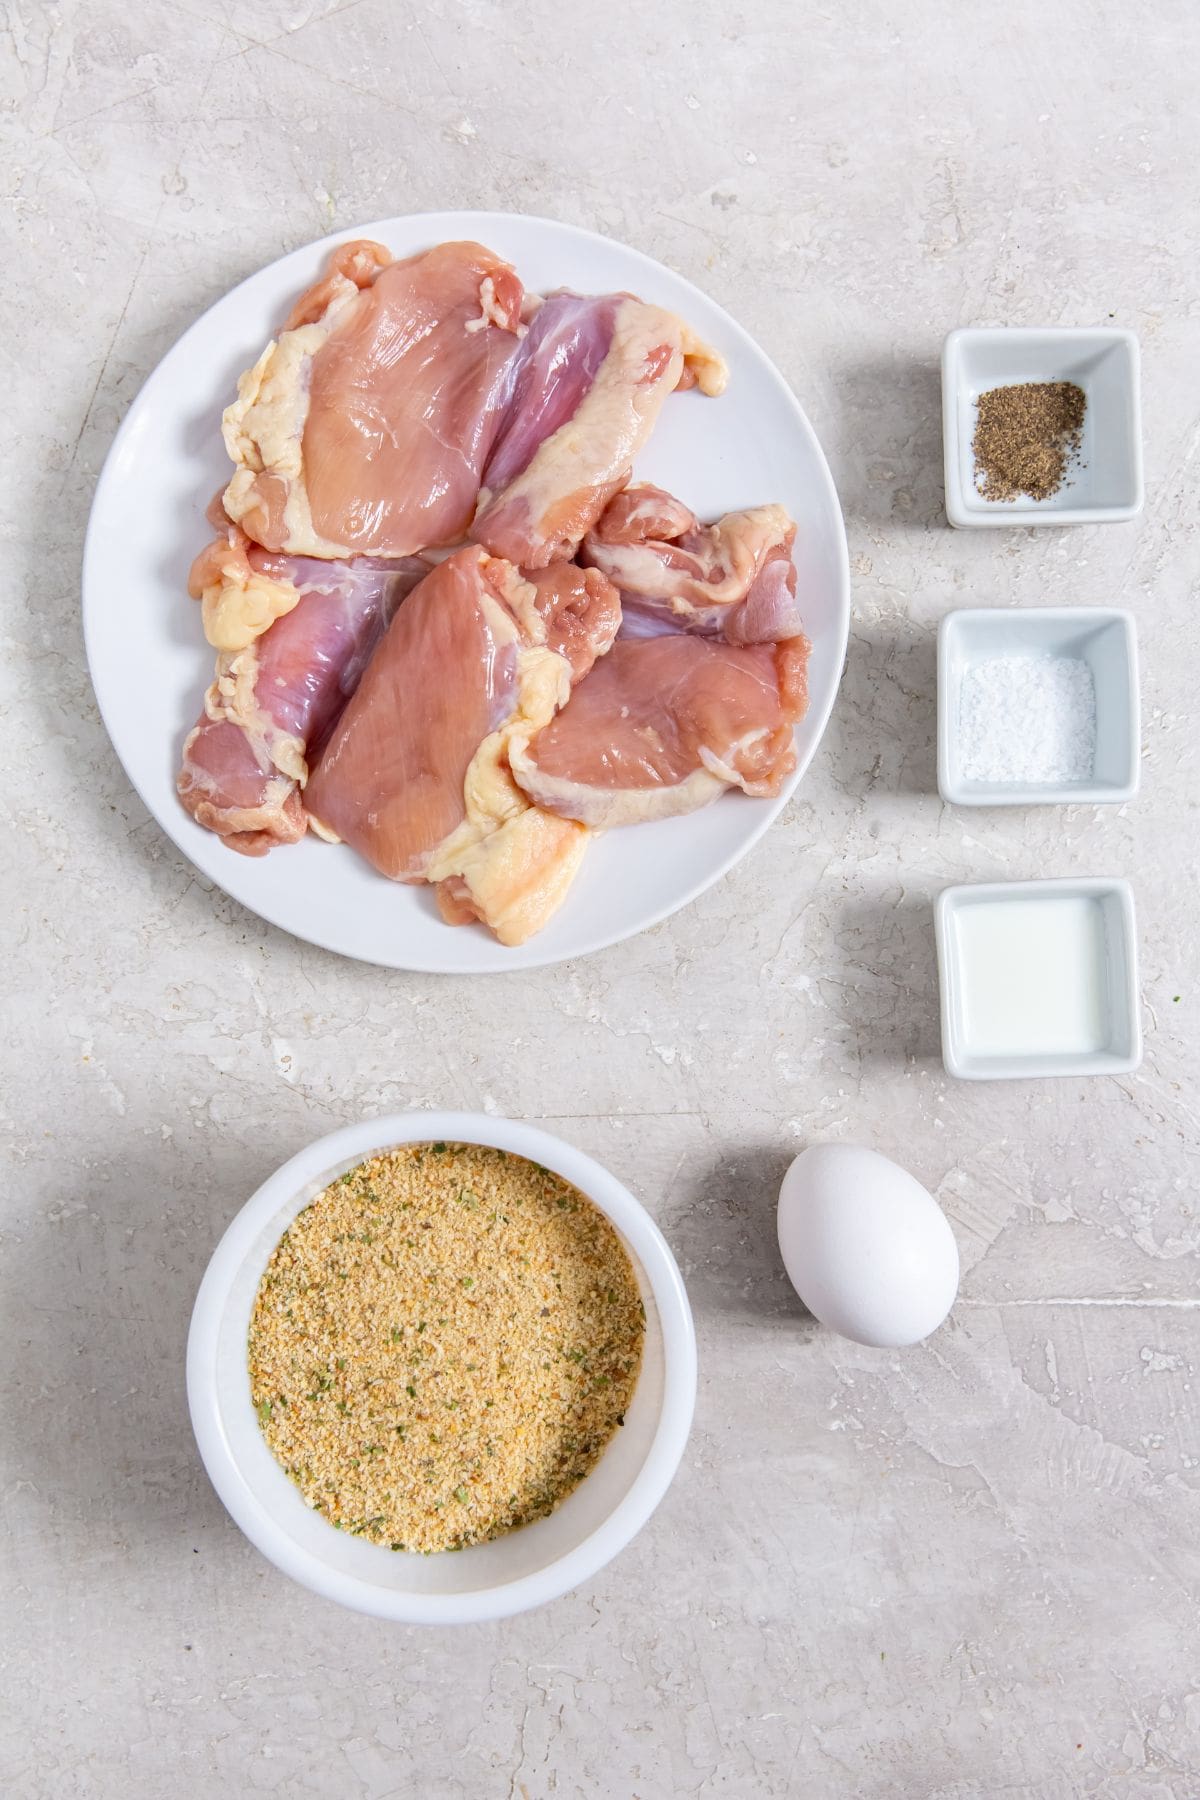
[(1038, 978)]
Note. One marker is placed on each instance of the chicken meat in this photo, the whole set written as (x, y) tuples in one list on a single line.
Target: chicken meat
[(363, 429), (591, 378), (416, 775), (277, 694), (243, 589), (662, 725), (572, 653), (734, 579)]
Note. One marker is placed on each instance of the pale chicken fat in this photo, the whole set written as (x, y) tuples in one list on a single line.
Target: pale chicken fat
[(364, 427), (240, 597), (703, 366), (516, 881)]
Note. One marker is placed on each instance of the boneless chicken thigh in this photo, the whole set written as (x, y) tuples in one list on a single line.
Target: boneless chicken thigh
[(706, 681), (572, 653), (416, 775), (734, 579), (591, 378), (363, 429), (663, 725), (277, 692)]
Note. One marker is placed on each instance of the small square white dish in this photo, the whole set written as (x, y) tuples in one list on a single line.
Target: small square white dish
[(1105, 638), (1038, 978), (1104, 482)]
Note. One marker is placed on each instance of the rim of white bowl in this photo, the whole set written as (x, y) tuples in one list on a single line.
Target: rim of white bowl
[(627, 1518)]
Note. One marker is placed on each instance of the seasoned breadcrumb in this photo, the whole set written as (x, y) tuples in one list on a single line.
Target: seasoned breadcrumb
[(442, 1345)]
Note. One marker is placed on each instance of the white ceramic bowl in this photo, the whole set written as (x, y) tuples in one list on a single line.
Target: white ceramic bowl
[(486, 1581), (1105, 481), (1103, 637), (964, 1052)]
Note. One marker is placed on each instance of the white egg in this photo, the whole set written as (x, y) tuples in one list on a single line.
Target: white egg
[(867, 1249)]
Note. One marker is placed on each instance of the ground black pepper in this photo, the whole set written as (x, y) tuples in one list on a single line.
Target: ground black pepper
[(1026, 437)]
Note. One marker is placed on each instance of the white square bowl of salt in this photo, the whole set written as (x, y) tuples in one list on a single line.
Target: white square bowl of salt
[(1037, 706), (1041, 426), (1038, 978)]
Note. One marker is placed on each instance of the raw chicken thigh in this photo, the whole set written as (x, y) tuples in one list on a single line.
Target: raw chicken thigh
[(572, 652), (592, 375), (416, 775), (708, 677), (663, 725), (277, 694), (364, 428), (734, 580)]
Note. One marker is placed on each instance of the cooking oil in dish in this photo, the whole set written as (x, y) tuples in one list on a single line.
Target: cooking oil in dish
[(1034, 976)]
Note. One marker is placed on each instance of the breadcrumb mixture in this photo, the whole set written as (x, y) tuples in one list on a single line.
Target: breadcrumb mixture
[(442, 1344)]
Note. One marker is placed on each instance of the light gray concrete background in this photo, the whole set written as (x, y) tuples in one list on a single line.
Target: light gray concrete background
[(966, 1570)]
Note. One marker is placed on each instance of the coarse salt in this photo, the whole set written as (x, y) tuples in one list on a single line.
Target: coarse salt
[(1028, 719)]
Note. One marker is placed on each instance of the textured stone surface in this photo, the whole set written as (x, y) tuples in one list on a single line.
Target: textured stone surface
[(960, 1571)]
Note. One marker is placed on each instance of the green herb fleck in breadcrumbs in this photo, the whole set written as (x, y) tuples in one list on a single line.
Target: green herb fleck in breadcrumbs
[(430, 1434)]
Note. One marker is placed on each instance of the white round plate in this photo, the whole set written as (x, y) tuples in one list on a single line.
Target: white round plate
[(150, 664)]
